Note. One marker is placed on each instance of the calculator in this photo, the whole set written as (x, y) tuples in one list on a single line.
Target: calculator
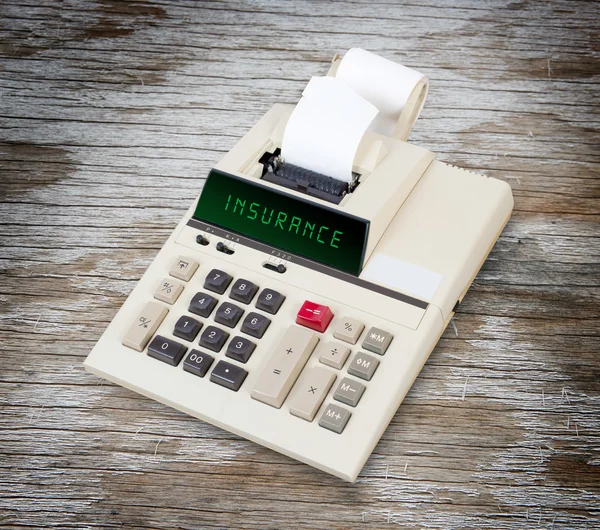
[(299, 320)]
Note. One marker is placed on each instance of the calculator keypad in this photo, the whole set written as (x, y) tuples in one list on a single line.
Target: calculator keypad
[(314, 316), (213, 338), (168, 291), (202, 304), (197, 363), (377, 341), (349, 391), (228, 314), (217, 281), (284, 366), (333, 354), (255, 325), (335, 418), (285, 377), (243, 291), (348, 330), (363, 366), (187, 328), (228, 375), (166, 350), (145, 325), (269, 301), (183, 268), (310, 391), (240, 349)]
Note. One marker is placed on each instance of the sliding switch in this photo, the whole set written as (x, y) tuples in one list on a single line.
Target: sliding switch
[(280, 267), (284, 366)]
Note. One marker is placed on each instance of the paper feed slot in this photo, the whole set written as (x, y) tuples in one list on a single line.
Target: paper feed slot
[(302, 180)]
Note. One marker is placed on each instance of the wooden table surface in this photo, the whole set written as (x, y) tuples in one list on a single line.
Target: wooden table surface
[(112, 114)]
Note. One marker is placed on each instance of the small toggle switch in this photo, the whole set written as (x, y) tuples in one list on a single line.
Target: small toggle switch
[(222, 247), (201, 240), (280, 267)]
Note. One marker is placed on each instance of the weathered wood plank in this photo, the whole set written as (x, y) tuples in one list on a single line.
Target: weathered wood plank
[(111, 114)]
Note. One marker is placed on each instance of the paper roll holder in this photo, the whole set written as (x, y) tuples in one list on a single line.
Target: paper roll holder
[(276, 171)]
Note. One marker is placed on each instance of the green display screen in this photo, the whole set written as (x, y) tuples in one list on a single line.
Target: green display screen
[(288, 223)]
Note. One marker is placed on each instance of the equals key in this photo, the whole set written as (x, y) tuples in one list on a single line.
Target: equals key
[(284, 366)]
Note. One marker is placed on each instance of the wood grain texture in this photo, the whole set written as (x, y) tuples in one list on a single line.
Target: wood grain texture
[(112, 113)]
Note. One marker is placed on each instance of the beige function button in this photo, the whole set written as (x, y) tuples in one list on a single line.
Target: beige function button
[(377, 341), (145, 325), (310, 391), (168, 291), (349, 392), (333, 354), (348, 330), (183, 268), (284, 366), (335, 418)]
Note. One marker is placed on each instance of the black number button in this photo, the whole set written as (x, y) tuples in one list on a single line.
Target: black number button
[(269, 301), (197, 363), (228, 314), (213, 338), (187, 328), (243, 291), (166, 350), (228, 375), (240, 349), (202, 304), (255, 325), (217, 281)]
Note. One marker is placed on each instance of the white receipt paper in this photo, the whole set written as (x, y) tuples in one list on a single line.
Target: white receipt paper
[(402, 276), (326, 127), (386, 84), (329, 121)]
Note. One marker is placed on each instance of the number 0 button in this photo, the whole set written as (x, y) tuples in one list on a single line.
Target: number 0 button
[(166, 350), (255, 325)]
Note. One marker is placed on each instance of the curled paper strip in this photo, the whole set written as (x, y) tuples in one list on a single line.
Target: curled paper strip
[(326, 127)]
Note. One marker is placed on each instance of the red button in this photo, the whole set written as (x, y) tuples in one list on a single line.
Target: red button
[(314, 316)]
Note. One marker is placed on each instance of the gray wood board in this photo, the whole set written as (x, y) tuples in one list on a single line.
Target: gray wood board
[(111, 115)]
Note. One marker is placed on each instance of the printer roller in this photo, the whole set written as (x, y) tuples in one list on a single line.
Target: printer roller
[(304, 180)]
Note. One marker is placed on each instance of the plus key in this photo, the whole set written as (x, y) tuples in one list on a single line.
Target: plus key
[(314, 316)]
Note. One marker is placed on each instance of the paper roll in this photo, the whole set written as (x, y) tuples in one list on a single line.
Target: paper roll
[(387, 85), (329, 121), (326, 127)]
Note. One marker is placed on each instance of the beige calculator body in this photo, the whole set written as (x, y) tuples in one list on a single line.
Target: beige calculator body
[(328, 400)]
